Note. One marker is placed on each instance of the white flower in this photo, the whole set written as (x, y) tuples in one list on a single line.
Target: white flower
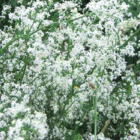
[(2, 135)]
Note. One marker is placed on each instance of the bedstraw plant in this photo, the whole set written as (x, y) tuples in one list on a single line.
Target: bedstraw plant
[(64, 71)]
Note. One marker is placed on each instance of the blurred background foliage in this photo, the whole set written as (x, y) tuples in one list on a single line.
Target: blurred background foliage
[(13, 4)]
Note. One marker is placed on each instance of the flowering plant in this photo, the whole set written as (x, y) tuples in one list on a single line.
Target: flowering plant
[(65, 74)]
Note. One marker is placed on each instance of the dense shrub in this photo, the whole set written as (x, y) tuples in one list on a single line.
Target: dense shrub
[(65, 74)]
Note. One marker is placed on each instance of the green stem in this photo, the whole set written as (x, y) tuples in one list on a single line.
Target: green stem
[(101, 73), (85, 15), (52, 24), (24, 69), (131, 37), (8, 44), (95, 117), (137, 4), (15, 3)]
